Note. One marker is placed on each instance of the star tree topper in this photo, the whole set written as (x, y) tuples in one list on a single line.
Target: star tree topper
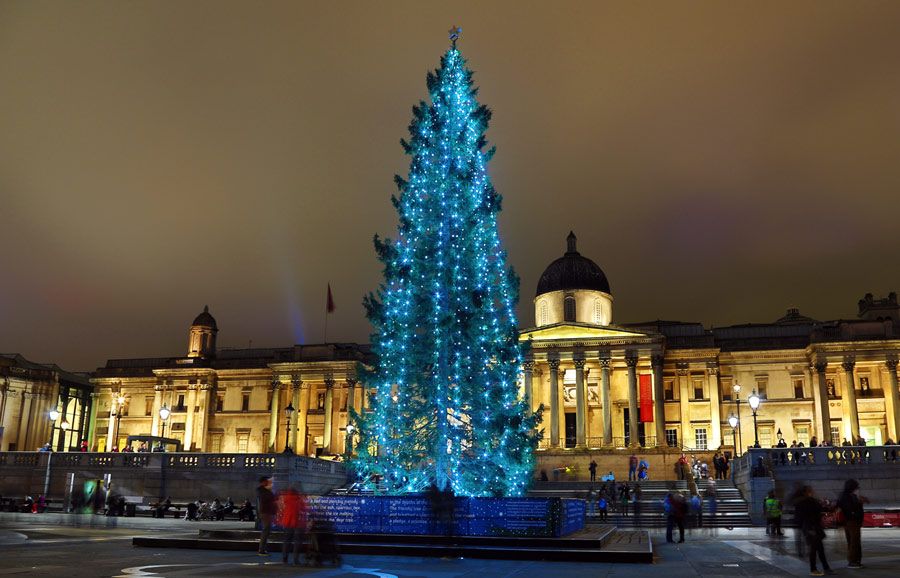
[(454, 32)]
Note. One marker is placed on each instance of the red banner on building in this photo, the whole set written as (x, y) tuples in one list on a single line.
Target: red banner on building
[(646, 384)]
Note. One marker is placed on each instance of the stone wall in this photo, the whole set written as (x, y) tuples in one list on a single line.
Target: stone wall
[(149, 476), (574, 463)]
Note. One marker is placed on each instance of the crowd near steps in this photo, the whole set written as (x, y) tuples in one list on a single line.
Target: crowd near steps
[(731, 508)]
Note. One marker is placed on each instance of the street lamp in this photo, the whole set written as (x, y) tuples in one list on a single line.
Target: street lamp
[(733, 422), (120, 406), (64, 426), (737, 404), (164, 413), (53, 414), (288, 411), (754, 400)]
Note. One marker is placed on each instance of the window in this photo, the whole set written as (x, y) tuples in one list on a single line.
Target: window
[(243, 444), (698, 389), (220, 401), (669, 390), (245, 401), (215, 443), (798, 389), (700, 438), (765, 437), (148, 406), (835, 435), (569, 308), (598, 312), (761, 387), (672, 437), (180, 406), (542, 313), (801, 433), (727, 388), (727, 436)]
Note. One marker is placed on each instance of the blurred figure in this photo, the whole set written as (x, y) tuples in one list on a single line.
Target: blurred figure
[(850, 503), (799, 541), (265, 509), (808, 512), (292, 517), (772, 508)]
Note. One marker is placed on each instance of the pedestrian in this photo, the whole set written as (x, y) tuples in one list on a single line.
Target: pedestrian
[(697, 507), (682, 467), (773, 507), (808, 512), (292, 519), (265, 508), (603, 507), (593, 469), (83, 448), (675, 507), (636, 503), (632, 468), (624, 498), (850, 504), (591, 499)]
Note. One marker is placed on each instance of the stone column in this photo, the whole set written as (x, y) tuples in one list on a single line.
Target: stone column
[(631, 361), (849, 397), (302, 447), (893, 416), (189, 419), (92, 422), (820, 403), (4, 389), (329, 418), (604, 399), (554, 402), (580, 404), (684, 398), (202, 420), (157, 403), (715, 408), (351, 404), (659, 402), (528, 367), (273, 415), (295, 403)]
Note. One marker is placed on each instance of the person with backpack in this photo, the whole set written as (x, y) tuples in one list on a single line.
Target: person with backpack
[(850, 506), (772, 507), (603, 507)]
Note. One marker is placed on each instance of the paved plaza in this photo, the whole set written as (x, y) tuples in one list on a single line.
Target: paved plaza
[(37, 548)]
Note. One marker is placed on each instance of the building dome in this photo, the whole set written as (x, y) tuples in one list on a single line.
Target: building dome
[(205, 319), (572, 271)]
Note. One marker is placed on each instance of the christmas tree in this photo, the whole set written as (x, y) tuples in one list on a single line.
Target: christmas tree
[(446, 408)]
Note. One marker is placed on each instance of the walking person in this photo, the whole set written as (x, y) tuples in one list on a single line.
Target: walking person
[(808, 512), (265, 510), (850, 504), (292, 519), (772, 506), (603, 507)]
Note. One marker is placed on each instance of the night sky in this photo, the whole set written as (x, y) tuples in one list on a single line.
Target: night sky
[(721, 161)]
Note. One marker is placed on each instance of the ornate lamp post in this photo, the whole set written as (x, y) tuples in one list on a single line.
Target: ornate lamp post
[(164, 413), (733, 422), (737, 405), (53, 414), (64, 426), (288, 411), (754, 400)]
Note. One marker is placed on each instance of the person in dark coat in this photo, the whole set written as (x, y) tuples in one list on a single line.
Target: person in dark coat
[(850, 503), (808, 513), (266, 507)]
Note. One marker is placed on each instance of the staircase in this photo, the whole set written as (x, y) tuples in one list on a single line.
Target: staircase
[(731, 509)]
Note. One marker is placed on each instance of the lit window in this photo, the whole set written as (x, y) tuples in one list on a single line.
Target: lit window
[(700, 438)]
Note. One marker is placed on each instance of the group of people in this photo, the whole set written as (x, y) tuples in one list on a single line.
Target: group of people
[(611, 496), (808, 516), (289, 510), (214, 510)]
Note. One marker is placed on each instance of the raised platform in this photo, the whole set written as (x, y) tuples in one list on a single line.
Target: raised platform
[(597, 544)]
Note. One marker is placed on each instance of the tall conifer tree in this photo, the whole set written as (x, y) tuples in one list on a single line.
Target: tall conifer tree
[(446, 407)]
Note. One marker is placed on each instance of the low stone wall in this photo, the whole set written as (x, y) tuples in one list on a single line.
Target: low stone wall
[(182, 476), (876, 468), (572, 465)]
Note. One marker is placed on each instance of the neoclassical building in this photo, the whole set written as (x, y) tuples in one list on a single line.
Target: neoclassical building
[(602, 384)]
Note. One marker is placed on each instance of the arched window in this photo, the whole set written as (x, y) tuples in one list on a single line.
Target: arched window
[(542, 312), (598, 312), (569, 310)]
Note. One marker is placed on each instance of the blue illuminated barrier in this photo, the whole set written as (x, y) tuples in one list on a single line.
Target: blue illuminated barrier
[(545, 517)]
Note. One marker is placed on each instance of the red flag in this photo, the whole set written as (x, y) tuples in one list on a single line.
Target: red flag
[(329, 306), (646, 398)]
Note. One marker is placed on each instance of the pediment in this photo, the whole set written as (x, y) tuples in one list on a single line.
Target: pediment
[(579, 332)]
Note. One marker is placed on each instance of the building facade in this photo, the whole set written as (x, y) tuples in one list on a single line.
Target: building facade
[(41, 403), (601, 384)]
